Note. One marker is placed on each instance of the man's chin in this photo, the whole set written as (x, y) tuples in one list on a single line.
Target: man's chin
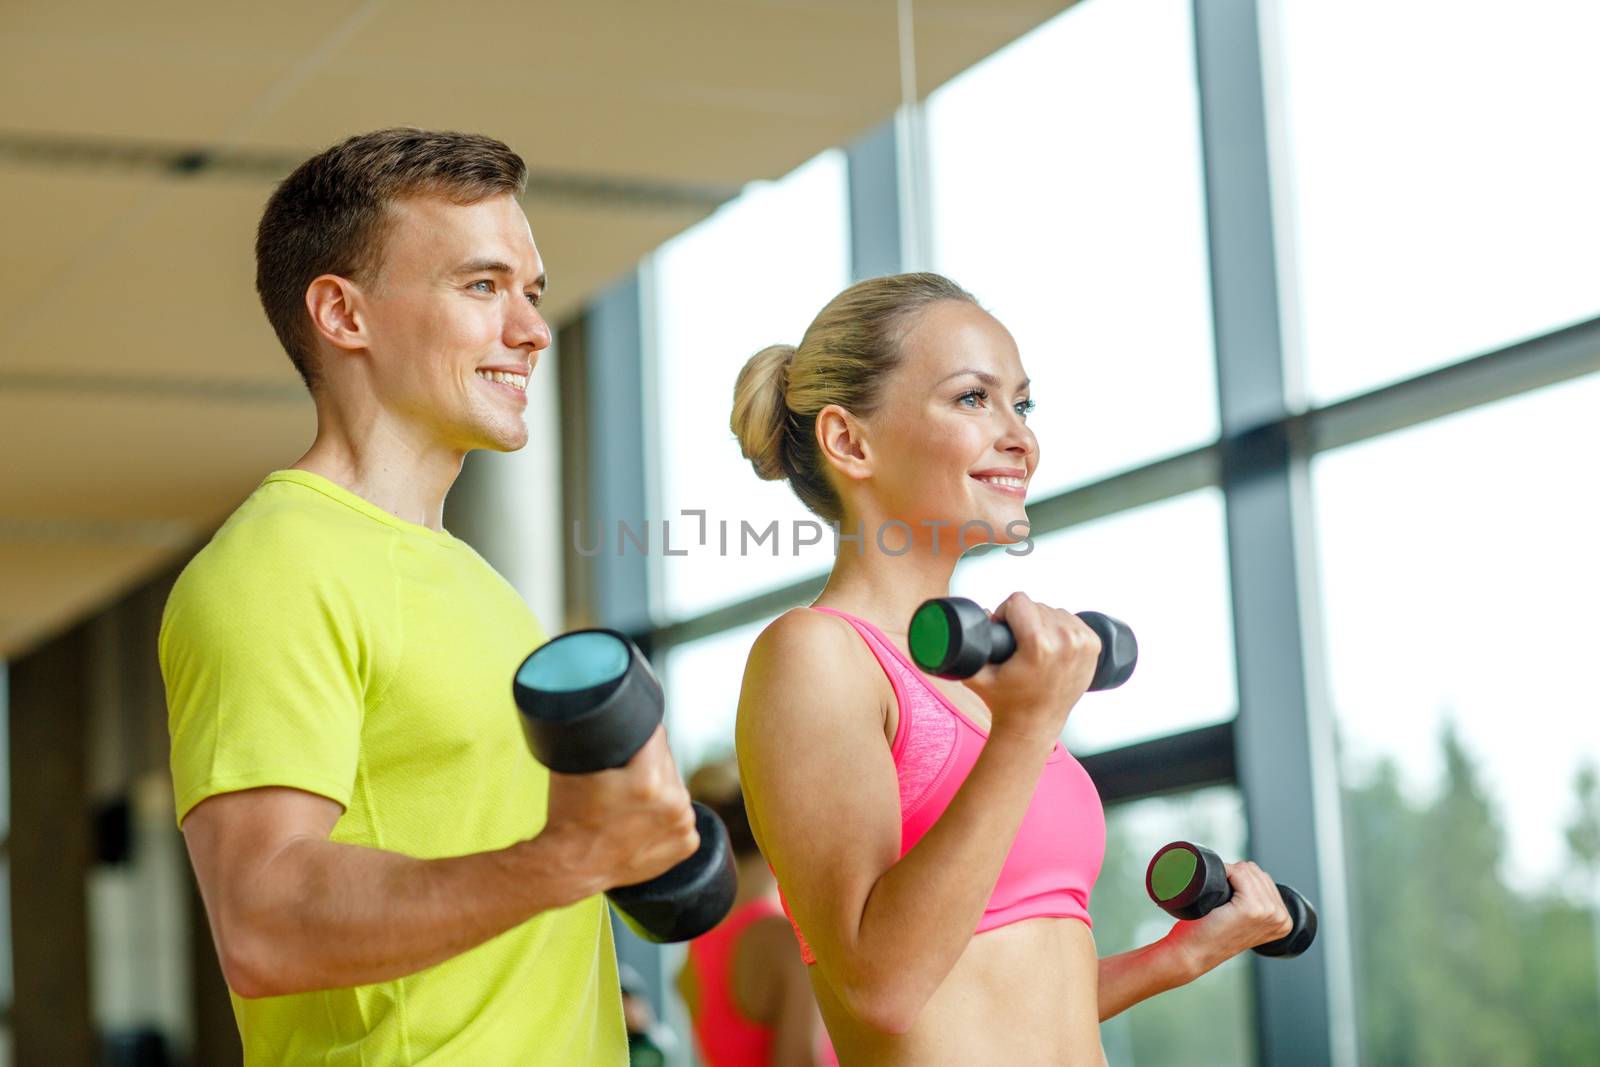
[(507, 445), (501, 440)]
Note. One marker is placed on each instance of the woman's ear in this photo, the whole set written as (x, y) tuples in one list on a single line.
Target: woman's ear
[(843, 440), (335, 307)]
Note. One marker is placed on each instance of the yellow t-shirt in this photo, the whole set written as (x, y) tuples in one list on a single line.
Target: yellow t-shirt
[(320, 643)]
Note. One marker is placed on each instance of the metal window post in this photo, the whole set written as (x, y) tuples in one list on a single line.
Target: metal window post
[(873, 169), (608, 347), (1283, 736)]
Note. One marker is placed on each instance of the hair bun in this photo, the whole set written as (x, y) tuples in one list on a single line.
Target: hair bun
[(760, 412)]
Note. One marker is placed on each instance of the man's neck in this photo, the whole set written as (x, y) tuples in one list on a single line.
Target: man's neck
[(386, 469)]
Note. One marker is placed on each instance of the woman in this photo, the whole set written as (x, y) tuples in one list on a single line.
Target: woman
[(744, 984), (934, 843)]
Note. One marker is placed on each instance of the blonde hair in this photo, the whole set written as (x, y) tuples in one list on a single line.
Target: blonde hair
[(843, 358)]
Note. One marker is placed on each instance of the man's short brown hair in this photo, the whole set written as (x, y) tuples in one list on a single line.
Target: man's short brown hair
[(331, 215)]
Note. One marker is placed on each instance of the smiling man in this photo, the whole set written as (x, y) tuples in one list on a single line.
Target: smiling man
[(389, 875)]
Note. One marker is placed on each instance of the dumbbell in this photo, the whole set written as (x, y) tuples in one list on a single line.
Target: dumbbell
[(952, 637), (590, 701), (1188, 881)]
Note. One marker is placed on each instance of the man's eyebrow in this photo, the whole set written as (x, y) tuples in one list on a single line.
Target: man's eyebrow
[(983, 376), (483, 266), (493, 266)]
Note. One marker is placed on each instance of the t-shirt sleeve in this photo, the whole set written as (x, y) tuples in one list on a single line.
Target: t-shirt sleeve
[(267, 670)]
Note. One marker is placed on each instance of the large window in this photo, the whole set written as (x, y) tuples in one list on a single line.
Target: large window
[(1066, 194), (752, 275), (1439, 181), (1460, 572), (1162, 570)]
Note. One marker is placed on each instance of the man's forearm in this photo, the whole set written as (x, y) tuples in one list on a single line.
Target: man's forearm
[(1129, 977), (322, 915)]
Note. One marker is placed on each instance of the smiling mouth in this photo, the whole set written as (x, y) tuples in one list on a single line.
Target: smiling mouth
[(1002, 482), (516, 381)]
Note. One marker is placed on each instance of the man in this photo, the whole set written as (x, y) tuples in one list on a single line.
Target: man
[(389, 875)]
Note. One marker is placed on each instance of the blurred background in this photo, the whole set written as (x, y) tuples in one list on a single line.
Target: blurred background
[(1308, 293)]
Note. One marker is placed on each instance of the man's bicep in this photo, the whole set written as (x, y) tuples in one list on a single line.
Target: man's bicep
[(232, 836), (267, 679)]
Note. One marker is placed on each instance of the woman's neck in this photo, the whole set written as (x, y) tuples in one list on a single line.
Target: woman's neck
[(886, 589)]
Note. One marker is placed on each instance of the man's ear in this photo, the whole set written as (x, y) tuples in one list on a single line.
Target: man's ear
[(843, 440), (337, 311)]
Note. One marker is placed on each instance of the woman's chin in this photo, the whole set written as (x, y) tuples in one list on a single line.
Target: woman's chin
[(996, 527), (1009, 513), (1013, 531)]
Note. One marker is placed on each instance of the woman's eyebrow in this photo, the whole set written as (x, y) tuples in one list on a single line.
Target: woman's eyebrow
[(983, 376)]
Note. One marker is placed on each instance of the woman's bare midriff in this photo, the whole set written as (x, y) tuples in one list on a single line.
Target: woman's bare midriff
[(1023, 995)]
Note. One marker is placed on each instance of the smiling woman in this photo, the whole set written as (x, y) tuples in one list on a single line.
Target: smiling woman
[(950, 923), (842, 361)]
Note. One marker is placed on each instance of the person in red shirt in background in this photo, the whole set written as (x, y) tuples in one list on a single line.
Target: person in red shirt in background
[(745, 985)]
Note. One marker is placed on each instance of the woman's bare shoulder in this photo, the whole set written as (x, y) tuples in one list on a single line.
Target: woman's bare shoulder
[(815, 653)]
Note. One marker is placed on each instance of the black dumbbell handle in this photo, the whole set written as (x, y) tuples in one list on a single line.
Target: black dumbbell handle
[(1003, 645)]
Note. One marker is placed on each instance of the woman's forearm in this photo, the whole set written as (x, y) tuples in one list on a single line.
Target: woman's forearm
[(1129, 977)]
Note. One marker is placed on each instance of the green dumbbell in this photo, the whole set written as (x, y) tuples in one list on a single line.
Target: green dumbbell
[(1189, 881), (953, 637)]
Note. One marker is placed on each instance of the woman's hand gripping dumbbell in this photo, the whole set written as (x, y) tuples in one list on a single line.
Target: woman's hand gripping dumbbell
[(953, 637), (590, 702), (1188, 882)]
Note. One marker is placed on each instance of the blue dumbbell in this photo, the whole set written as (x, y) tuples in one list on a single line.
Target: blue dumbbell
[(590, 701)]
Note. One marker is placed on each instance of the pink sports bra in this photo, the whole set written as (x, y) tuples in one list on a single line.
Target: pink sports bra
[(1059, 847)]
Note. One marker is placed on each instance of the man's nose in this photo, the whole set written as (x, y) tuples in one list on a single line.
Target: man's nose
[(526, 329)]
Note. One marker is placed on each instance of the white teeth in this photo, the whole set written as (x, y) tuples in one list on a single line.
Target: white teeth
[(519, 381), (1010, 483)]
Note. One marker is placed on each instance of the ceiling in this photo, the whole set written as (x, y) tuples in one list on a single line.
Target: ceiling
[(142, 394)]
